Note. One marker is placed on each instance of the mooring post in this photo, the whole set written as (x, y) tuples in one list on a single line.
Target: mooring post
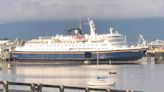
[(86, 89), (5, 86), (39, 87), (61, 88), (127, 91), (32, 87), (108, 90)]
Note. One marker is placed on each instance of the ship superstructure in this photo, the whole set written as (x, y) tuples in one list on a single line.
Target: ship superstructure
[(79, 47)]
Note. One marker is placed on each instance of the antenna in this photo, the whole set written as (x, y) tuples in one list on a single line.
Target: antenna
[(111, 30), (91, 26), (141, 40), (80, 25)]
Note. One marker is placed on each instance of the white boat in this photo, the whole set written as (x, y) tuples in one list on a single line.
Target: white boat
[(101, 82)]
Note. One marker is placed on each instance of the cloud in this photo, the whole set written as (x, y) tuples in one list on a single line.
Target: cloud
[(27, 10)]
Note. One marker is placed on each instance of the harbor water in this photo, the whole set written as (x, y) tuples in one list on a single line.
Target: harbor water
[(147, 77)]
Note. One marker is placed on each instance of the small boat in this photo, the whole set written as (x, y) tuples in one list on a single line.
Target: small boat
[(101, 82)]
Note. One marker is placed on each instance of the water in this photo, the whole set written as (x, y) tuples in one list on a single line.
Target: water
[(148, 78)]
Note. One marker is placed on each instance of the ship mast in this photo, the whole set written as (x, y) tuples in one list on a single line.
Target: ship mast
[(92, 27)]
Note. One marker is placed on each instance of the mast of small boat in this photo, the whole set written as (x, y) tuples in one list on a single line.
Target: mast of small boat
[(97, 64), (97, 58), (80, 25)]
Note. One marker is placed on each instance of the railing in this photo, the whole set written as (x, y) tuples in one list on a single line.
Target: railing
[(38, 87)]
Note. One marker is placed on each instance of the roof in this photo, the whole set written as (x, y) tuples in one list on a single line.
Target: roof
[(4, 41)]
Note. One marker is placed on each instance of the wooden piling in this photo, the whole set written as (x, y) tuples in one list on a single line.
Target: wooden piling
[(61, 88), (32, 87), (39, 88), (5, 86), (86, 89)]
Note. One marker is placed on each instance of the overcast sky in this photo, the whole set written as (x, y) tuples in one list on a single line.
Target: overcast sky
[(25, 10)]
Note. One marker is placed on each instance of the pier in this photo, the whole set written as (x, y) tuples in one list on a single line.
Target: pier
[(7, 47), (155, 51), (34, 87)]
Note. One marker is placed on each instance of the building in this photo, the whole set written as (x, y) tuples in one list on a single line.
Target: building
[(5, 49)]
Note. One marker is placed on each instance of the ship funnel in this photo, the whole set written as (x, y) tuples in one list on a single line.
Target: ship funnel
[(75, 31)]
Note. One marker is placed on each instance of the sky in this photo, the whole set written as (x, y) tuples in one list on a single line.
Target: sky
[(29, 10), (29, 19)]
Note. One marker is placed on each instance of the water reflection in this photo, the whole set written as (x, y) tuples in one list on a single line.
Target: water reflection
[(147, 78), (54, 74)]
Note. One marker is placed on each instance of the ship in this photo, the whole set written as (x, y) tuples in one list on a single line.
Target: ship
[(75, 46)]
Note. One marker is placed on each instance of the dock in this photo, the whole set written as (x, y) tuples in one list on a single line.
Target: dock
[(34, 87), (7, 47), (155, 51)]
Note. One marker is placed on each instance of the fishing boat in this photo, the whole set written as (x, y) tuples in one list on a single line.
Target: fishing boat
[(76, 46)]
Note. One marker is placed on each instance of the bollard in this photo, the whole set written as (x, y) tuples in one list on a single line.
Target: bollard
[(5, 86), (32, 87), (61, 88), (86, 89), (39, 88), (108, 90)]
